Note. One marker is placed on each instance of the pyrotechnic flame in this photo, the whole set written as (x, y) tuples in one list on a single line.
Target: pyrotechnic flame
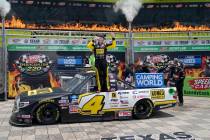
[(12, 82), (19, 24), (53, 81)]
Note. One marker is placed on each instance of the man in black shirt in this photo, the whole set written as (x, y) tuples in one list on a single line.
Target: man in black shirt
[(176, 77)]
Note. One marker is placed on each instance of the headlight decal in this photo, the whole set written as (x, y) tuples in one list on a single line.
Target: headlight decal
[(23, 104)]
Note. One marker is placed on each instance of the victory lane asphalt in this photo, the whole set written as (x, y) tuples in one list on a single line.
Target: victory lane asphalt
[(190, 122)]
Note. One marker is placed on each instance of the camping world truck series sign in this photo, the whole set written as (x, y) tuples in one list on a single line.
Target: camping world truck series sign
[(149, 80)]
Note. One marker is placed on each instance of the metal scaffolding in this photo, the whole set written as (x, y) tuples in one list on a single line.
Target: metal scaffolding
[(3, 69)]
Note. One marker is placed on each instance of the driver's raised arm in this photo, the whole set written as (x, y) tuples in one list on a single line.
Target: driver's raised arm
[(112, 45), (91, 45)]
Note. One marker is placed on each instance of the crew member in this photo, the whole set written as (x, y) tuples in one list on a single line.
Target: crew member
[(180, 81), (177, 77), (99, 47)]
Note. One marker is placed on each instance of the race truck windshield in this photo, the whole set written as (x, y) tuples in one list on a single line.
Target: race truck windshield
[(74, 82)]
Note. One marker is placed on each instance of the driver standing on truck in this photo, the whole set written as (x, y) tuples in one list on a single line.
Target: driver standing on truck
[(99, 48)]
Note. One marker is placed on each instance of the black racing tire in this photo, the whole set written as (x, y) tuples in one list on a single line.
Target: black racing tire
[(143, 109), (47, 113)]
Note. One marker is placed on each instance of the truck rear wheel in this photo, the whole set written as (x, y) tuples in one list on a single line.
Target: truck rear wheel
[(143, 109)]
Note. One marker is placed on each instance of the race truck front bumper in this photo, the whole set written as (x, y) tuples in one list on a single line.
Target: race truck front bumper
[(20, 117)]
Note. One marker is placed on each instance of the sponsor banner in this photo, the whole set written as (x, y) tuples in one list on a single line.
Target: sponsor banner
[(159, 61), (158, 94), (197, 86), (47, 101), (191, 60), (57, 48), (140, 43), (40, 91), (73, 109), (172, 48), (125, 114), (74, 99), (47, 41), (69, 61), (33, 64), (26, 116), (63, 101), (149, 80), (124, 101)]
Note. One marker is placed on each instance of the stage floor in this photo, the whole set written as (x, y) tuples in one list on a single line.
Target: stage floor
[(192, 121)]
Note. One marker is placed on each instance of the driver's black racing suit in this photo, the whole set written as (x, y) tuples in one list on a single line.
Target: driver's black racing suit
[(100, 52)]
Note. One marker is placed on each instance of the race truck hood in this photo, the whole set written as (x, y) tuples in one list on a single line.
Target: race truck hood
[(42, 94)]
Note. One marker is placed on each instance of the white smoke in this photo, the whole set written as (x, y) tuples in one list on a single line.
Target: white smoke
[(4, 7), (130, 8)]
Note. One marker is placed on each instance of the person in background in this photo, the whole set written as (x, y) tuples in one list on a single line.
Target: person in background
[(206, 72), (167, 71), (176, 77), (139, 68), (121, 71), (86, 61), (99, 48), (145, 68), (152, 68), (129, 73)]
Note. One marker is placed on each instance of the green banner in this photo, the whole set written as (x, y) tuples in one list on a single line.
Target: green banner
[(172, 48), (56, 48), (117, 49), (197, 86)]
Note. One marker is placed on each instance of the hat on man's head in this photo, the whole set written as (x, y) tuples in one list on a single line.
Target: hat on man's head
[(101, 35)]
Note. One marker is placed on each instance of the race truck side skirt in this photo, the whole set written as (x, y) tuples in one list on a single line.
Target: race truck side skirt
[(164, 104), (76, 117), (159, 103)]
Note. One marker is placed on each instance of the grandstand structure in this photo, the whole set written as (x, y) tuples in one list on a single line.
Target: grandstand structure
[(155, 21), (154, 13), (36, 18)]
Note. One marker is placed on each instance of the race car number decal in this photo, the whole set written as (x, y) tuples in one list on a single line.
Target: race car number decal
[(158, 94), (94, 105)]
